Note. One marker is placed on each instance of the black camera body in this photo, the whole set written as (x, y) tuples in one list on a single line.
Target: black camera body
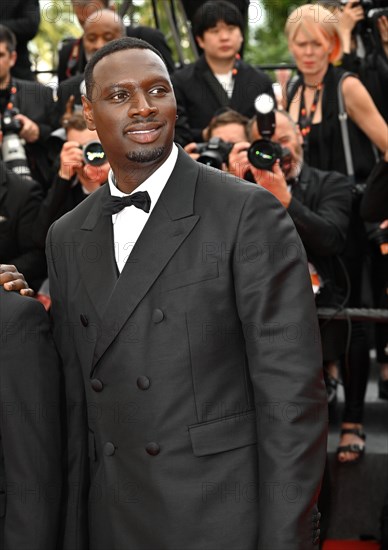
[(263, 153), (214, 153), (93, 153), (12, 148)]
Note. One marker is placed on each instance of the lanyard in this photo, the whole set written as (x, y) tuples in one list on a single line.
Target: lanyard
[(305, 120)]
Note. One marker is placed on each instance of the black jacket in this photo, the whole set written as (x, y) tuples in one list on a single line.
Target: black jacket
[(19, 204), (199, 96), (22, 17), (374, 204), (320, 209), (35, 101), (30, 427)]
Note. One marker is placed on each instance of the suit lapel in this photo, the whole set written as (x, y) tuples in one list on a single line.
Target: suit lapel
[(95, 253), (170, 222)]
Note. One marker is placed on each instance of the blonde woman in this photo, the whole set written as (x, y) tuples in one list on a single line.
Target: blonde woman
[(315, 43)]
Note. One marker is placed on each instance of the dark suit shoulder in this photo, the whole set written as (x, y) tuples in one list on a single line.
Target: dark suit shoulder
[(228, 189), (15, 308), (17, 185)]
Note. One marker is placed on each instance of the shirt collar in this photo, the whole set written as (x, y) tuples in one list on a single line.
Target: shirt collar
[(154, 184)]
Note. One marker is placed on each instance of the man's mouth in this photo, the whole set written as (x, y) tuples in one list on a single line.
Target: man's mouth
[(143, 133)]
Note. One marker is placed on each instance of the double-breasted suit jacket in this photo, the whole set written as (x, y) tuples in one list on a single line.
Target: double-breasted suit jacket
[(30, 427), (194, 376)]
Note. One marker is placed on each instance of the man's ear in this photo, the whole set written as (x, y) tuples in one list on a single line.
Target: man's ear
[(88, 113), (200, 41), (13, 58)]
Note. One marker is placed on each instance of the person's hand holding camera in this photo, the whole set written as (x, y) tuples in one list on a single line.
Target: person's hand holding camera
[(350, 15), (191, 149), (238, 159), (275, 182), (71, 160), (30, 130)]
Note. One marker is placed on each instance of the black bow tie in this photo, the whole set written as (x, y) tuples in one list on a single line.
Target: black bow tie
[(113, 205)]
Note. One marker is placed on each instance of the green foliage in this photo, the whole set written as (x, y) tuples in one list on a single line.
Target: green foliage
[(267, 42), (57, 23)]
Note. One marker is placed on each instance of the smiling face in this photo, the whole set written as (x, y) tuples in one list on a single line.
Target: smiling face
[(133, 109)]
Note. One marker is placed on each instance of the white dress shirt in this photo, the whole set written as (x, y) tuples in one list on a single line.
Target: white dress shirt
[(130, 221)]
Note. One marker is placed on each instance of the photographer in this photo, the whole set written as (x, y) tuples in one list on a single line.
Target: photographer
[(82, 170), (26, 109), (364, 33), (319, 204), (224, 130)]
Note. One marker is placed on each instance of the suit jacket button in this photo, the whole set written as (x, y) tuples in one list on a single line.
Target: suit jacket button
[(109, 449), (157, 316), (143, 383), (153, 449), (96, 384), (84, 320)]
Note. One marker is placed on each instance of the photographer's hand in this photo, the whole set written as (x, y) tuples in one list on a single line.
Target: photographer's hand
[(30, 130), (382, 25), (71, 160), (274, 182), (11, 279), (190, 149), (238, 162), (351, 14)]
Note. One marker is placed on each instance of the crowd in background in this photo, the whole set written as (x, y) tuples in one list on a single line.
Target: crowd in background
[(329, 169)]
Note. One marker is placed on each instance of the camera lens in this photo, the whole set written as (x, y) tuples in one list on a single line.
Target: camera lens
[(263, 154), (94, 154)]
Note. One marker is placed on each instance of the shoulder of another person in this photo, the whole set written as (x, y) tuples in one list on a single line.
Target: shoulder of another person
[(16, 307)]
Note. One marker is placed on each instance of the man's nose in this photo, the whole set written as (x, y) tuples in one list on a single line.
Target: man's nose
[(141, 105)]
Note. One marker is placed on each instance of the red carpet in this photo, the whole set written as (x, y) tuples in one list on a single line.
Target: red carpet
[(350, 545)]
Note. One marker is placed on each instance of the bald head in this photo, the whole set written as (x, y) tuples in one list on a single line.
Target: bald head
[(101, 27)]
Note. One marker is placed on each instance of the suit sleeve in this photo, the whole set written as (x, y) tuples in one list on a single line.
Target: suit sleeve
[(29, 257), (374, 204), (277, 310), (74, 535), (30, 429)]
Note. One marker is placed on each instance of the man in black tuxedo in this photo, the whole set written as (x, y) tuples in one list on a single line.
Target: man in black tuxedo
[(30, 428), (219, 78), (184, 315)]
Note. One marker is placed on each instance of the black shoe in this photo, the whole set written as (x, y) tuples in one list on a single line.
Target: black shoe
[(383, 389), (355, 448)]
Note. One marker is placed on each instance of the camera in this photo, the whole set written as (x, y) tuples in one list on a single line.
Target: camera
[(13, 152), (214, 152), (367, 29), (263, 153), (93, 153)]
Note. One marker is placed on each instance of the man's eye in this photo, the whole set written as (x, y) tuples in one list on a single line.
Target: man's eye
[(119, 96), (160, 90)]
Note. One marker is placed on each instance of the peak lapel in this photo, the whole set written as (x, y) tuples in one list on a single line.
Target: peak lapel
[(95, 255), (170, 222)]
